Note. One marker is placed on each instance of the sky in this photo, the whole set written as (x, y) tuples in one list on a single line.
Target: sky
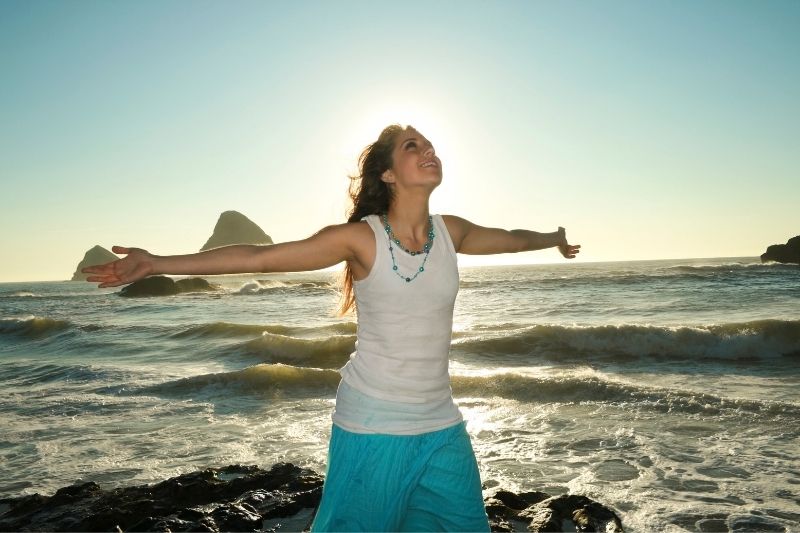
[(659, 129)]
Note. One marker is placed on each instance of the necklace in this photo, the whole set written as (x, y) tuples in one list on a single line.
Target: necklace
[(426, 249)]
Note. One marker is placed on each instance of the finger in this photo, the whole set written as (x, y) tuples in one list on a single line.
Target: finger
[(95, 269), (102, 279), (120, 250)]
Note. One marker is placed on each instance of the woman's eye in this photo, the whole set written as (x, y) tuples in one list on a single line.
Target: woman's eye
[(412, 143)]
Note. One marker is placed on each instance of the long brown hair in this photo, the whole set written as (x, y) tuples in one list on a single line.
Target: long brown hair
[(370, 196)]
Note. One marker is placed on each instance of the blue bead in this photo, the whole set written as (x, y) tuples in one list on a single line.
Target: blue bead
[(394, 267), (421, 269), (408, 280)]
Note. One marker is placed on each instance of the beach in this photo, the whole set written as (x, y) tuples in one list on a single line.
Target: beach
[(667, 390)]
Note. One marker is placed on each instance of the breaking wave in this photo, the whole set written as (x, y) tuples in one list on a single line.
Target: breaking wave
[(762, 339), (32, 327)]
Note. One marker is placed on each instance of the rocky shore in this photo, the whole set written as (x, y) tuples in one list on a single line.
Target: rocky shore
[(248, 498)]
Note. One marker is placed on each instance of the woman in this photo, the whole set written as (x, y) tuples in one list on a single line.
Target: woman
[(400, 458)]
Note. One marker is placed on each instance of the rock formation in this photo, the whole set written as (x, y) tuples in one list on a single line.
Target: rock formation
[(783, 253), (247, 498), (164, 286), (235, 228), (96, 256)]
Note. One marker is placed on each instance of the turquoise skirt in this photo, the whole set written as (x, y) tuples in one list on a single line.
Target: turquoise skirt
[(380, 482)]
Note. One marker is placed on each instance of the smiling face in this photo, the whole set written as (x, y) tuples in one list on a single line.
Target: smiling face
[(415, 162)]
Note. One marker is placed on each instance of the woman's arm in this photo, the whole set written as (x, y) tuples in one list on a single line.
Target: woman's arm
[(325, 248), (469, 238)]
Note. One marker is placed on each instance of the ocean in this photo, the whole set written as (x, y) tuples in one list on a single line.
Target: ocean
[(669, 390)]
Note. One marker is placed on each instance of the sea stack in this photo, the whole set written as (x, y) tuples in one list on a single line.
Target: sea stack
[(96, 256), (235, 228), (783, 253)]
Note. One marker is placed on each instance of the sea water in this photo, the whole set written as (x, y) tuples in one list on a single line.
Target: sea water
[(668, 390)]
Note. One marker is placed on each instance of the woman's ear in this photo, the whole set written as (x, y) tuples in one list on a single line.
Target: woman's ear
[(387, 177)]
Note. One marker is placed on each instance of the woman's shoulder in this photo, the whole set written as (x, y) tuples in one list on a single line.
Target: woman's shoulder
[(457, 227)]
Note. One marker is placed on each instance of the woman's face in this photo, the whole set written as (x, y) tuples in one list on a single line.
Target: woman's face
[(415, 162)]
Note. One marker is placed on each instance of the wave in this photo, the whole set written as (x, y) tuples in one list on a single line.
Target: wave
[(582, 389), (328, 352), (25, 374), (291, 286), (33, 327), (279, 380), (19, 294), (733, 267), (232, 330), (762, 339), (272, 379)]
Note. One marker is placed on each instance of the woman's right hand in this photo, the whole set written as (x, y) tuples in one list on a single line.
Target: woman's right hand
[(136, 265)]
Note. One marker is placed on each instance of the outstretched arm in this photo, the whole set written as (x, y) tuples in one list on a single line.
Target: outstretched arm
[(325, 248), (469, 238)]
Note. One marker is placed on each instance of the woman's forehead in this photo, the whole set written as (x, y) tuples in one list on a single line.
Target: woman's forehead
[(410, 133)]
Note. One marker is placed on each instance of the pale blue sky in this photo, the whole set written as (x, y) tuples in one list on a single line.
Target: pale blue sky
[(648, 129)]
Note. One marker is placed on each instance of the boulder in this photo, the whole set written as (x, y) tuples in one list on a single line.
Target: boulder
[(235, 228), (95, 256), (783, 253), (164, 286)]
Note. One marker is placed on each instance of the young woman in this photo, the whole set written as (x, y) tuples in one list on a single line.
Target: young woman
[(400, 458)]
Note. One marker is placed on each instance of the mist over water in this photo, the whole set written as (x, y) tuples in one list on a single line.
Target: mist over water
[(667, 389)]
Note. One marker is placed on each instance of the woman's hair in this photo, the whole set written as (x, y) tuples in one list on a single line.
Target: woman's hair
[(370, 196)]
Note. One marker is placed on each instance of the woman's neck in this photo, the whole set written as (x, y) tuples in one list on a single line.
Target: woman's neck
[(409, 220)]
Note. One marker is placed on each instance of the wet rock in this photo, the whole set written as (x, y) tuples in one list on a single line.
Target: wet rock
[(247, 498), (215, 499), (194, 285), (783, 253), (568, 512), (164, 286)]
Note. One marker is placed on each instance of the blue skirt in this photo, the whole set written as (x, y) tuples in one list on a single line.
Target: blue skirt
[(380, 482)]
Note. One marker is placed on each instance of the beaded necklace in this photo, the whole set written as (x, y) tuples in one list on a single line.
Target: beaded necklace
[(426, 249)]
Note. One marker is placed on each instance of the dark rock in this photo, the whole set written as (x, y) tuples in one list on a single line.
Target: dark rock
[(164, 286), (235, 228), (568, 512), (247, 498), (194, 285), (150, 286), (207, 500), (543, 519), (783, 253), (95, 256), (237, 517)]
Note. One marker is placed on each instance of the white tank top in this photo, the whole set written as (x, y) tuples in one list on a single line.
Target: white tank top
[(397, 381)]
